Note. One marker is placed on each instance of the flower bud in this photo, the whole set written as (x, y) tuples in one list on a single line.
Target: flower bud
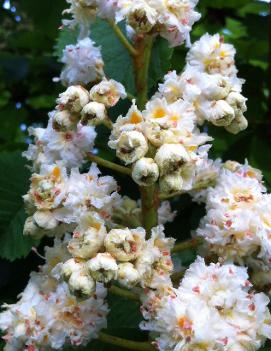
[(69, 267), (107, 92), (131, 146), (64, 121), (128, 276), (45, 220), (171, 157), (239, 123), (81, 285), (237, 102), (103, 268), (87, 238), (125, 244), (171, 183), (220, 113), (73, 99), (145, 172), (93, 113)]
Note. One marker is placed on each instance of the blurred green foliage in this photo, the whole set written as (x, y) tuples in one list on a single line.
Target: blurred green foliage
[(28, 62)]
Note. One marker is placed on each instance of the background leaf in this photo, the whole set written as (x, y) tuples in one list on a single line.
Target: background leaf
[(13, 184)]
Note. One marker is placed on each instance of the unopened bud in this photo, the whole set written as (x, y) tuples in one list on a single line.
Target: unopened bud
[(128, 276), (171, 157), (145, 172), (103, 268), (239, 123), (64, 120), (171, 183), (131, 146), (69, 267), (81, 285), (125, 244), (93, 113), (73, 99)]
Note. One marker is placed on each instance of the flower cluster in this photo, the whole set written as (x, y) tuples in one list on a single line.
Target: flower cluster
[(214, 308), (47, 315), (83, 63), (172, 19), (237, 224), (123, 255), (70, 134), (56, 201), (168, 133), (210, 83)]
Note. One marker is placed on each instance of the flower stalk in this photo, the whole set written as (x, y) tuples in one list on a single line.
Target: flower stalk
[(115, 290), (188, 244), (125, 42), (107, 164)]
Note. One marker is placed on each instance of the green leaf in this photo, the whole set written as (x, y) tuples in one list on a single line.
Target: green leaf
[(160, 61), (220, 4), (13, 184)]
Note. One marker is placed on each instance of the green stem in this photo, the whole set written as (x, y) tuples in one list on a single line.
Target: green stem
[(107, 164), (125, 42), (188, 244), (108, 123), (124, 343), (123, 293), (149, 207), (141, 66), (149, 203)]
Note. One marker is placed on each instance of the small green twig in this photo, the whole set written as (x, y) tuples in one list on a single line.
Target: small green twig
[(125, 42), (149, 208), (124, 343), (123, 293), (107, 164), (188, 244), (108, 123)]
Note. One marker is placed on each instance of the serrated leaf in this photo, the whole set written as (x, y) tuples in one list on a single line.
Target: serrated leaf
[(13, 184)]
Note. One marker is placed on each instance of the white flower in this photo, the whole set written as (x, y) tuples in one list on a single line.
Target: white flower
[(83, 63), (173, 19), (103, 267), (145, 171), (69, 147), (107, 92), (88, 237), (125, 244), (154, 263), (47, 316), (165, 214), (211, 55), (213, 309)]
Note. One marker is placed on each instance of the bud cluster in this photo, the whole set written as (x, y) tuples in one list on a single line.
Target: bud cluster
[(122, 255)]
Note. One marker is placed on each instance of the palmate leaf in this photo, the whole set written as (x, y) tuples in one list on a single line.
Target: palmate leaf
[(13, 184)]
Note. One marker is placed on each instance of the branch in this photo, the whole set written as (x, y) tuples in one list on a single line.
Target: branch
[(149, 207), (123, 293), (127, 344), (188, 244), (132, 51), (107, 164)]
